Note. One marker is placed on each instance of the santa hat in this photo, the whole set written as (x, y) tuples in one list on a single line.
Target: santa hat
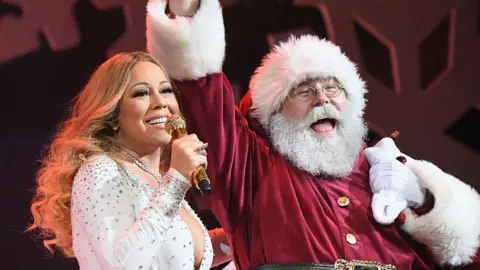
[(292, 62)]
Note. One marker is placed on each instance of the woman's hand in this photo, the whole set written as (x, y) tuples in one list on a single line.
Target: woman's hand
[(188, 153), (184, 8)]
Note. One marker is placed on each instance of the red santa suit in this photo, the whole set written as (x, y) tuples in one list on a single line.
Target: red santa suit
[(272, 211)]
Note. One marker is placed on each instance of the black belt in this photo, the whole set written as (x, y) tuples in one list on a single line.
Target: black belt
[(292, 266), (339, 265)]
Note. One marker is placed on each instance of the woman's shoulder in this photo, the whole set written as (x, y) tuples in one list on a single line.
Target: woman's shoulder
[(95, 179), (99, 166)]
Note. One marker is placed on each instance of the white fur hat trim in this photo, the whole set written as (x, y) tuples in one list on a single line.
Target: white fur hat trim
[(296, 60)]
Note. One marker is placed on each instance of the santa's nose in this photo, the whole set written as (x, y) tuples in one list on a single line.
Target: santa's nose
[(320, 99)]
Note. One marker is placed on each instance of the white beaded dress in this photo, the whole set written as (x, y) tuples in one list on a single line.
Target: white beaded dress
[(120, 222)]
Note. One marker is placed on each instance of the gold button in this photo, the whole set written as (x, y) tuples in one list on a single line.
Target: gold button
[(351, 239), (343, 201)]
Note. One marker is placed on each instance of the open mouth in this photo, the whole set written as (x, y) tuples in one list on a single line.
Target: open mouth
[(324, 126), (158, 122)]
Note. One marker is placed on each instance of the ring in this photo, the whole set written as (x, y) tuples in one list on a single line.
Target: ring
[(203, 147), (402, 159), (202, 152)]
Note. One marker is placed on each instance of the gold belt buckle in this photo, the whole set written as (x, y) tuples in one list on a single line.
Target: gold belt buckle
[(362, 265)]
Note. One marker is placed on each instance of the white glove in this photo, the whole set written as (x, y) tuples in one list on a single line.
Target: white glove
[(394, 185)]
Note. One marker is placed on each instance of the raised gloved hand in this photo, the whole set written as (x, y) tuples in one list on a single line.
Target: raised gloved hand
[(393, 184)]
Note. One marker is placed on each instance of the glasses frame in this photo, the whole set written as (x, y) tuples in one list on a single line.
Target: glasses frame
[(339, 89)]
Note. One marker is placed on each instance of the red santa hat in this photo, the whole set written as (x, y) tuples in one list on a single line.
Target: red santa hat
[(292, 62)]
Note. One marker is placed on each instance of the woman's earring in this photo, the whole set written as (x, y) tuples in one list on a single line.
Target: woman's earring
[(115, 127)]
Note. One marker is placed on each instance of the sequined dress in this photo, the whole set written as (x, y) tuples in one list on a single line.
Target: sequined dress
[(120, 222)]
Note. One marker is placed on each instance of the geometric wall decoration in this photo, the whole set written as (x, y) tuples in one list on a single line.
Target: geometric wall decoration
[(377, 53), (467, 129), (436, 51), (133, 39), (43, 81), (52, 18)]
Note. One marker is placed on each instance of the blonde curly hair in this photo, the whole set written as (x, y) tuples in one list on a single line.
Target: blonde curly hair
[(89, 131)]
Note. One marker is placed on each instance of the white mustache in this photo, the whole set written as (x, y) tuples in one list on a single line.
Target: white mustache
[(322, 112)]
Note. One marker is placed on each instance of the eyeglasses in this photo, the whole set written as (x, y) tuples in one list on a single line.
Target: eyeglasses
[(308, 93)]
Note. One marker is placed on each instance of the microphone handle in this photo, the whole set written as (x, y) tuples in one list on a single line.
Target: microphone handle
[(201, 181), (200, 177)]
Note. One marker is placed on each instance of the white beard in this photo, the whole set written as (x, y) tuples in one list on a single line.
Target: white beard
[(333, 155)]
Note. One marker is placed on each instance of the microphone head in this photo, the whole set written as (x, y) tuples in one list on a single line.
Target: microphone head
[(174, 122)]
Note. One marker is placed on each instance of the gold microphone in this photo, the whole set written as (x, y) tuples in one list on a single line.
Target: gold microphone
[(176, 126)]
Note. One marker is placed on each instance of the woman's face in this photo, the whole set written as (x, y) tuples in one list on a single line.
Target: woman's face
[(147, 103)]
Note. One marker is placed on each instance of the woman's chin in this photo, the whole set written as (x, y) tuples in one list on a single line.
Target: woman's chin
[(161, 139)]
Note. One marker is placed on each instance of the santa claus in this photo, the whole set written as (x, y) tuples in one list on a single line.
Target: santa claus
[(293, 185)]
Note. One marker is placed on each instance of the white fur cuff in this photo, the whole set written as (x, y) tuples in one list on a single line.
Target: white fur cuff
[(451, 230), (189, 48)]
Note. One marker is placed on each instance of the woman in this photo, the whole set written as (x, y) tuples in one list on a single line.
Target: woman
[(106, 194)]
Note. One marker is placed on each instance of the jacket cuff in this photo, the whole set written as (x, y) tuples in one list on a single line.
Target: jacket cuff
[(188, 47), (427, 205), (451, 228)]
